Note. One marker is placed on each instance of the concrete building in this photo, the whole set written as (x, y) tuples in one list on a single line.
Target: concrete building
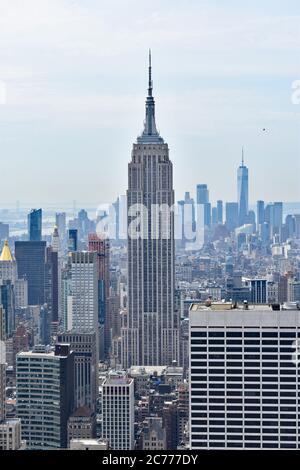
[(31, 259), (82, 424), (84, 292), (84, 347), (101, 246), (88, 444), (154, 434), (10, 435), (21, 293), (35, 225), (258, 290), (244, 377), (45, 395), (118, 411)]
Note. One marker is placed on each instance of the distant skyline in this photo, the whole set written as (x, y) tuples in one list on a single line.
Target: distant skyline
[(75, 75)]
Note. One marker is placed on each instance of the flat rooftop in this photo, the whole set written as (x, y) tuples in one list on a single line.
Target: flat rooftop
[(253, 316), (225, 306)]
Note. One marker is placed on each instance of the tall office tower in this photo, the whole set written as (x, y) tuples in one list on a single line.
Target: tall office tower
[(278, 215), (118, 411), (60, 222), (21, 293), (214, 216), (202, 194), (45, 325), (243, 191), (282, 288), (232, 215), (118, 214), (84, 292), (66, 297), (8, 265), (260, 212), (51, 282), (2, 364), (57, 264), (84, 347), (7, 300), (31, 258), (100, 244), (293, 288), (4, 231), (297, 225), (72, 239), (244, 378), (207, 214), (269, 214), (55, 243), (45, 393), (203, 199), (35, 225), (183, 411), (220, 211), (290, 226), (187, 219), (151, 336)]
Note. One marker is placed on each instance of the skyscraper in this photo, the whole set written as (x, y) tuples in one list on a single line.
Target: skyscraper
[(72, 239), (85, 349), (202, 194), (203, 199), (35, 225), (7, 300), (45, 394), (84, 292), (51, 282), (187, 219), (244, 385), (260, 212), (278, 215), (101, 246), (118, 411), (151, 336), (60, 222), (243, 191), (31, 258), (232, 215), (220, 211)]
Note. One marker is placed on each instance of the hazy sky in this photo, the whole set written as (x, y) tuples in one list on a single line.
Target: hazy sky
[(75, 74)]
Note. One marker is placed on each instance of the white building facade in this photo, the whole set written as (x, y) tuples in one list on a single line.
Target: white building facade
[(118, 411), (244, 379)]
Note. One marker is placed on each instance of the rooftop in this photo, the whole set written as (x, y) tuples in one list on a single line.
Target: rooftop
[(225, 306)]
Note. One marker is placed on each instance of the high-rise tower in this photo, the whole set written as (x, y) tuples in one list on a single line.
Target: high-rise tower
[(243, 191), (150, 335), (101, 245), (35, 225)]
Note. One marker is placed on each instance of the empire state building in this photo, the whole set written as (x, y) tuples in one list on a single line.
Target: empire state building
[(150, 334)]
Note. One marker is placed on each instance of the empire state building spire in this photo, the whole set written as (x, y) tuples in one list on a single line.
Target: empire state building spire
[(150, 133)]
